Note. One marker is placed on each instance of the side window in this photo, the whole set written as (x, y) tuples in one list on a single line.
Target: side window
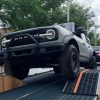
[(83, 37)]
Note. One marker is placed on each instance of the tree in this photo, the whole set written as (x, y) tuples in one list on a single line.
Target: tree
[(92, 38), (78, 14), (22, 14), (98, 42)]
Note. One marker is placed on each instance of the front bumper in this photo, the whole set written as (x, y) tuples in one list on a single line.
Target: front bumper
[(34, 50), (34, 56), (35, 53)]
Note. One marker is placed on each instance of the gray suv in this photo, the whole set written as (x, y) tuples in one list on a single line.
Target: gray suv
[(62, 47)]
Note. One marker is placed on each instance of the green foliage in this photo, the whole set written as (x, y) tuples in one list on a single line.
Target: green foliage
[(78, 14), (22, 14), (92, 38), (98, 42), (51, 4)]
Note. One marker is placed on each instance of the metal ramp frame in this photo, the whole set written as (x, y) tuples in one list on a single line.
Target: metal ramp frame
[(86, 85), (76, 97)]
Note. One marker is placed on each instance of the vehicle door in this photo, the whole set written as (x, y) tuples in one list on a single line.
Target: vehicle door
[(86, 45), (82, 47), (90, 48)]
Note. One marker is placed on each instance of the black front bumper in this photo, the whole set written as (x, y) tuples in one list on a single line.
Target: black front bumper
[(31, 47), (29, 55), (34, 50)]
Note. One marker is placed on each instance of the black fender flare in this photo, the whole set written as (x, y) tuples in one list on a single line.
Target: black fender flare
[(71, 40)]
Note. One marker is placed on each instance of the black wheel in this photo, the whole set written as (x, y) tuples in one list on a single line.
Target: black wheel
[(57, 70), (92, 63), (69, 61), (15, 70)]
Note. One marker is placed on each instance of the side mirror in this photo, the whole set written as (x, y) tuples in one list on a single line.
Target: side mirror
[(80, 30)]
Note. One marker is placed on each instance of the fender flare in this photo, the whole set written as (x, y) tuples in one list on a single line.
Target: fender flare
[(71, 40)]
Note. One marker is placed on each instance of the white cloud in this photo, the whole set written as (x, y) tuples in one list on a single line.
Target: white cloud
[(95, 3)]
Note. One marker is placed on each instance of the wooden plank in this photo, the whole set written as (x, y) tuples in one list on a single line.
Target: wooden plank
[(9, 82)]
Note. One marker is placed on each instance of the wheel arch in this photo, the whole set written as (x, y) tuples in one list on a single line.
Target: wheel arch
[(73, 41)]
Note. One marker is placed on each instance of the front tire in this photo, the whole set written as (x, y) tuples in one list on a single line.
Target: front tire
[(92, 63), (57, 70), (15, 70), (69, 61)]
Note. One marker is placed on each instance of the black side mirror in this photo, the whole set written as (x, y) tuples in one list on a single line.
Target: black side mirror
[(80, 30)]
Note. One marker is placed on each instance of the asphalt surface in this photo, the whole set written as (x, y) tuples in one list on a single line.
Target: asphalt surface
[(45, 86)]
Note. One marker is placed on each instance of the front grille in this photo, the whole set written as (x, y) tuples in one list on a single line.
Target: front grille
[(22, 39)]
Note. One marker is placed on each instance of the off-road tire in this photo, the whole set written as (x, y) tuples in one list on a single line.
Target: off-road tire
[(57, 70), (69, 61), (92, 63), (15, 70)]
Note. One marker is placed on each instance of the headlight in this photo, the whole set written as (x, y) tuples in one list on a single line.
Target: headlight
[(4, 42), (50, 34)]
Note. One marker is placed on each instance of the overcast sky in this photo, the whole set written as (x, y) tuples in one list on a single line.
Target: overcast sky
[(95, 5)]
